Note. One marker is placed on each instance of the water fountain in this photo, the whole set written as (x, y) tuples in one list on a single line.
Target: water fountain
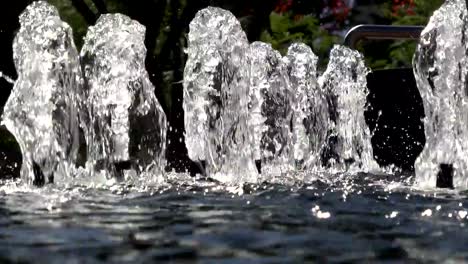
[(310, 120), (53, 109), (270, 110), (41, 112), (348, 146), (293, 121), (243, 102), (440, 67), (216, 97), (126, 126)]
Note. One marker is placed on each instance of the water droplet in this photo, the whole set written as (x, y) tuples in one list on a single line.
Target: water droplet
[(427, 213), (462, 214)]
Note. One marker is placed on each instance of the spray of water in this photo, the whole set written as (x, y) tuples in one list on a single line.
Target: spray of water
[(126, 132), (41, 112), (7, 78), (440, 67)]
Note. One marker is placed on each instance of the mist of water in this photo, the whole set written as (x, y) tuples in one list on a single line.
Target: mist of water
[(7, 78)]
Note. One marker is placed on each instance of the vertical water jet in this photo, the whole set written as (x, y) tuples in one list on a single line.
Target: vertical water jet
[(127, 126), (42, 110), (216, 97), (440, 67), (271, 110), (309, 122), (349, 142)]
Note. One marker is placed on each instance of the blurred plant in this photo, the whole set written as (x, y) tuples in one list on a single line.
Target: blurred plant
[(402, 12), (403, 7), (338, 13), (411, 12), (287, 28), (283, 6)]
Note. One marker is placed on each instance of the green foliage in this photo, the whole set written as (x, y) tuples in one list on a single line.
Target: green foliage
[(287, 29)]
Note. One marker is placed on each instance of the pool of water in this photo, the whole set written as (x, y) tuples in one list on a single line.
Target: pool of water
[(341, 218)]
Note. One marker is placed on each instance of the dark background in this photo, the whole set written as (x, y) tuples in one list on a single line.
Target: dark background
[(318, 23)]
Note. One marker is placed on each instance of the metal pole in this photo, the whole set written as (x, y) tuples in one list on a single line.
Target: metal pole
[(360, 32)]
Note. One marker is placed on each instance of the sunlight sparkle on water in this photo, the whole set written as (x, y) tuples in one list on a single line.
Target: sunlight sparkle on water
[(392, 214), (427, 213), (320, 214)]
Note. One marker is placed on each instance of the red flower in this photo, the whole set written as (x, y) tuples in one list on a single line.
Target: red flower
[(340, 10), (403, 7), (283, 6)]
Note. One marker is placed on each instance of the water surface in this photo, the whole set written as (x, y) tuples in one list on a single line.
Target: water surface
[(348, 218)]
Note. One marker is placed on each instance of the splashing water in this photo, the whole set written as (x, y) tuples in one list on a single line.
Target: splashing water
[(294, 122), (127, 126), (349, 144), (216, 97), (440, 67), (7, 78), (41, 112), (242, 102), (271, 110), (188, 219)]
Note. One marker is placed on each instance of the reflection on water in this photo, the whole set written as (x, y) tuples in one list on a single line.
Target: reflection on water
[(348, 218)]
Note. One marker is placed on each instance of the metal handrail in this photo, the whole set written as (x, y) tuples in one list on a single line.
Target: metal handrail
[(383, 32)]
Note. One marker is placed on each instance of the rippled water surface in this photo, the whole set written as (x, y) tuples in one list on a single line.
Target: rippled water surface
[(340, 219)]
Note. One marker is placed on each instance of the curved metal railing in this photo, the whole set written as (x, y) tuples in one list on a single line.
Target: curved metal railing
[(383, 32)]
